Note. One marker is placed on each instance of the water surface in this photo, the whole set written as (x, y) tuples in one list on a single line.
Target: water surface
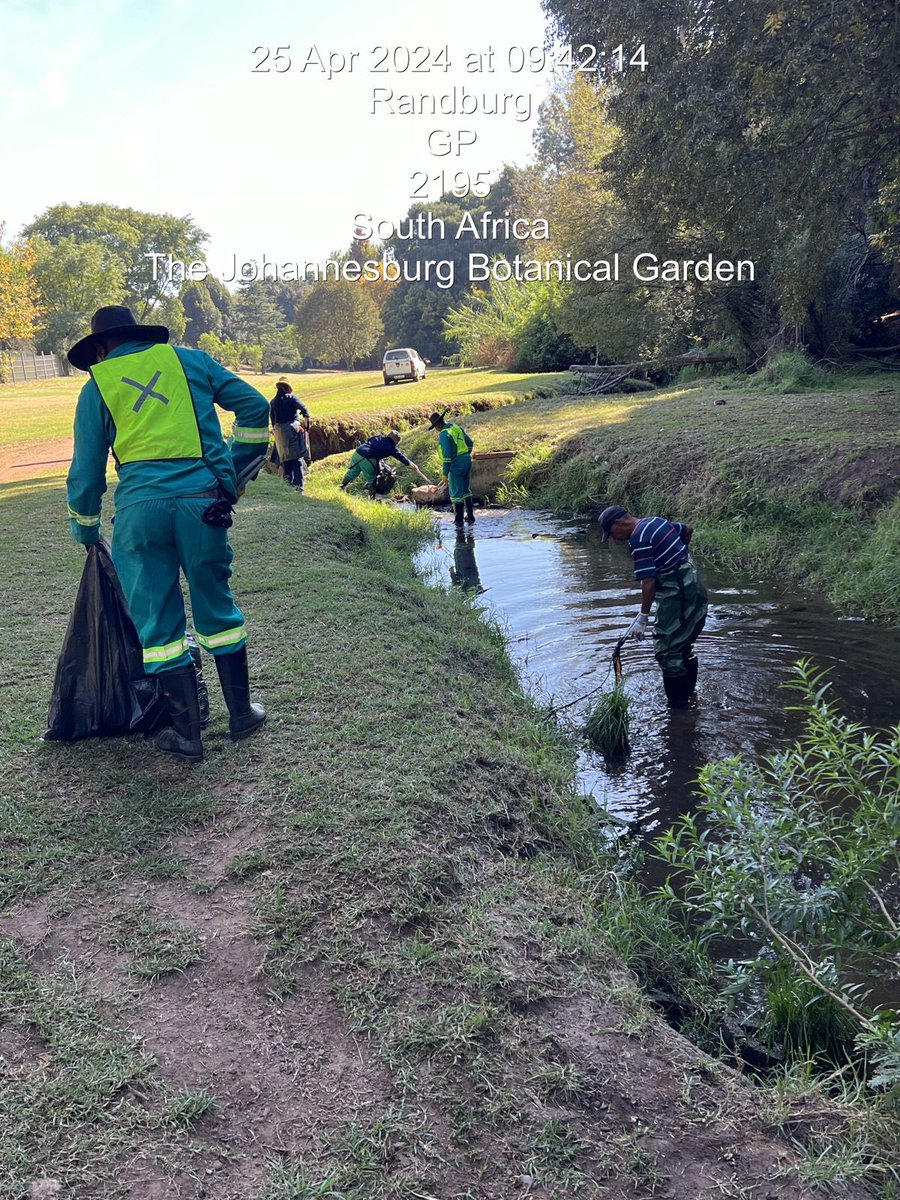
[(564, 598)]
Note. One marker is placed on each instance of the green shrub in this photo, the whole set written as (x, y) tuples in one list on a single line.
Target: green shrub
[(793, 857), (791, 371)]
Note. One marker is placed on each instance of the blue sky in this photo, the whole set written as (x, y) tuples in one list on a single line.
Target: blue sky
[(156, 107)]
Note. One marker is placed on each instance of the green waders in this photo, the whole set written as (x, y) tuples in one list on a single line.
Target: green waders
[(458, 478), (681, 608), (360, 465)]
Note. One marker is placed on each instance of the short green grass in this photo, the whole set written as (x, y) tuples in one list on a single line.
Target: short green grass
[(156, 945), (77, 1098), (372, 865), (42, 411)]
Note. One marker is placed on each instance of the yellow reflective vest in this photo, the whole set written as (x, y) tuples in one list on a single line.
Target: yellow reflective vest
[(149, 400)]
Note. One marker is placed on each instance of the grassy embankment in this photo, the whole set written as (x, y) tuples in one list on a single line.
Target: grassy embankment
[(799, 486), (364, 955)]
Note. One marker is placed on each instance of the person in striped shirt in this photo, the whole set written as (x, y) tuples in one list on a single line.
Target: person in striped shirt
[(667, 575)]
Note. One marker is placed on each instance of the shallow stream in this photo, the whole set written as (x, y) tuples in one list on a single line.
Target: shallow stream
[(564, 599)]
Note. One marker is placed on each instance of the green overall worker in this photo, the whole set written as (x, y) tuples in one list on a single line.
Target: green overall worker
[(456, 465), (368, 455), (667, 574), (153, 404)]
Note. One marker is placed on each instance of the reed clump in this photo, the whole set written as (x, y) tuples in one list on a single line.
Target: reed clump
[(607, 724)]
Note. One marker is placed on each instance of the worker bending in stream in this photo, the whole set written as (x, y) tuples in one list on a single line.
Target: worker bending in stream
[(456, 465), (154, 405), (668, 575), (367, 458)]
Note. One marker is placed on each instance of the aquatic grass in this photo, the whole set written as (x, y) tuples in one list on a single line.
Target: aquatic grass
[(608, 721), (797, 855)]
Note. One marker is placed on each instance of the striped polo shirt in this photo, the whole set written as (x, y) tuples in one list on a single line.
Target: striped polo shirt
[(656, 546)]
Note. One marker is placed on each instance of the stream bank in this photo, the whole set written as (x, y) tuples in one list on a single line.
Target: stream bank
[(336, 435), (394, 978)]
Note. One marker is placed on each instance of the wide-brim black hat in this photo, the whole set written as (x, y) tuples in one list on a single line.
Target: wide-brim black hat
[(436, 420), (114, 320)]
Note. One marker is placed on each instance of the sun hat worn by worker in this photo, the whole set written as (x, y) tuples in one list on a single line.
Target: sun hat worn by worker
[(283, 383), (113, 320), (436, 420), (608, 518)]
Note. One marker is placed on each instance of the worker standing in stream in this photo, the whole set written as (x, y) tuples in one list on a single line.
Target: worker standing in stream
[(368, 455), (667, 574), (153, 405), (456, 465)]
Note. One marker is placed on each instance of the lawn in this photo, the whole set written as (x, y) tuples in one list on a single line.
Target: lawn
[(39, 414)]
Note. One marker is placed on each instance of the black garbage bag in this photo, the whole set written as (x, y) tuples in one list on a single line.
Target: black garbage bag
[(385, 479), (100, 688)]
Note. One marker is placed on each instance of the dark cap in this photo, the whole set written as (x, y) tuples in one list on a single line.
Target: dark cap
[(608, 518), (436, 420), (113, 320)]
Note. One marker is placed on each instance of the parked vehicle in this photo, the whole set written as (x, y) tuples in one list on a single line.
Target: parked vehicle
[(402, 364)]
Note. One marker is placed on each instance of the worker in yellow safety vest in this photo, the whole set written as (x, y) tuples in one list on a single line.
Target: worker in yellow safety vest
[(456, 465), (153, 405)]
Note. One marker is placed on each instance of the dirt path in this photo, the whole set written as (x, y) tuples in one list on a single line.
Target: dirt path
[(21, 463), (616, 1091)]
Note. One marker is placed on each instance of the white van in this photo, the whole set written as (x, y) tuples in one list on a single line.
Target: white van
[(402, 364)]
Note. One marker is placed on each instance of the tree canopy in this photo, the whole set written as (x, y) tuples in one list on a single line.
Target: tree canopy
[(18, 294), (74, 279), (338, 322), (127, 237), (763, 130)]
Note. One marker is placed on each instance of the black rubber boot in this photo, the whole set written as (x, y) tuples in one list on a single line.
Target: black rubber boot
[(202, 689), (245, 718), (677, 690), (692, 665), (182, 737), (458, 515), (470, 511)]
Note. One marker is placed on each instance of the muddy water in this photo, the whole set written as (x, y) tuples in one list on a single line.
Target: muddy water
[(564, 598)]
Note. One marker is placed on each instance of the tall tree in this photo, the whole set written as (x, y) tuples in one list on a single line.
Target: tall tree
[(18, 293), (74, 279), (255, 315), (338, 322), (768, 130), (128, 238), (207, 305), (415, 312)]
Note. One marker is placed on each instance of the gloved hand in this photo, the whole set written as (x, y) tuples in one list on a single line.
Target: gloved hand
[(638, 626), (85, 535)]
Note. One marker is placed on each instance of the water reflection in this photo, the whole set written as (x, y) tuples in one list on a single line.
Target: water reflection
[(565, 597), (464, 567)]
